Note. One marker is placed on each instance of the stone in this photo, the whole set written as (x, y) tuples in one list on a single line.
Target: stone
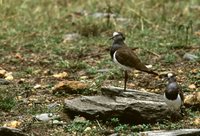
[(79, 119), (57, 122), (4, 81), (7, 131), (71, 37), (130, 106), (52, 106), (70, 87), (46, 116), (103, 15), (179, 132), (190, 57)]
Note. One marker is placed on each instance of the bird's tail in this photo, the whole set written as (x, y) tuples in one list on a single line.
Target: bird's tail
[(151, 72), (143, 68)]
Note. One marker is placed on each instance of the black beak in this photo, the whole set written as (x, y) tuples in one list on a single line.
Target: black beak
[(111, 37), (166, 79)]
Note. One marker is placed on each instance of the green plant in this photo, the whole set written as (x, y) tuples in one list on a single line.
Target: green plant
[(7, 103), (121, 128), (7, 100), (77, 65), (62, 63), (29, 70), (115, 121), (142, 127), (92, 27), (170, 58), (79, 126)]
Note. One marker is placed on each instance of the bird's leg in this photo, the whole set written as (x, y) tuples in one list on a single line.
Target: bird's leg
[(125, 79), (182, 111)]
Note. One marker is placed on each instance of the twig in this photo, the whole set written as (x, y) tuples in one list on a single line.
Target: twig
[(137, 14), (99, 125), (191, 47), (152, 53), (145, 19), (135, 48)]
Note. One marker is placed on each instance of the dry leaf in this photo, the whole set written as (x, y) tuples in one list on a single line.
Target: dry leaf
[(192, 86), (12, 124), (87, 129), (18, 56), (197, 33), (149, 66), (180, 71), (8, 76), (197, 121), (192, 99), (198, 96), (37, 86), (60, 75), (2, 72)]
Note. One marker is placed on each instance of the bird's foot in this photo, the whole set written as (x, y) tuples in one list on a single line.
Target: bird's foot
[(175, 116), (121, 92)]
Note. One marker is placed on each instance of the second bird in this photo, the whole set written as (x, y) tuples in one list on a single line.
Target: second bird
[(124, 57)]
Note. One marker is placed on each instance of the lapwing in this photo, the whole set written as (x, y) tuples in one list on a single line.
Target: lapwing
[(125, 58), (173, 94)]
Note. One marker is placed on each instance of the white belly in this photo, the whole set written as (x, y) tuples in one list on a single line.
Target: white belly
[(173, 104), (122, 66)]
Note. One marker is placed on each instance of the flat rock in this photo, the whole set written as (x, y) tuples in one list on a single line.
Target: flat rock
[(7, 131), (179, 132), (130, 106)]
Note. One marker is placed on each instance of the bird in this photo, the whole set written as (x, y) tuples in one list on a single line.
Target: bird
[(125, 58), (173, 95)]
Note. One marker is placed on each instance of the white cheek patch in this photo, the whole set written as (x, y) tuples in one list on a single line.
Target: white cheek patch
[(169, 75), (115, 33)]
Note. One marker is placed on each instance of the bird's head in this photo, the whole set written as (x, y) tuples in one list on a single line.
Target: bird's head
[(118, 36), (171, 77)]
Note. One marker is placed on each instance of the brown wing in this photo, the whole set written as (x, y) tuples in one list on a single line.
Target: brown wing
[(127, 57)]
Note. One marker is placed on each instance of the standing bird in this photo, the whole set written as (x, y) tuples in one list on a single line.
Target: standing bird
[(125, 57), (173, 95)]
